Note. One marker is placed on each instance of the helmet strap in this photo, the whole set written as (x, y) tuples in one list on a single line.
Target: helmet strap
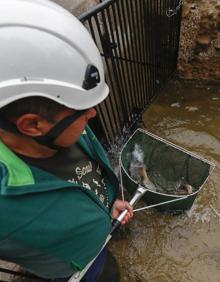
[(8, 126), (49, 138)]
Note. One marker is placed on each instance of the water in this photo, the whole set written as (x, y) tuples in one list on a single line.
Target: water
[(157, 247)]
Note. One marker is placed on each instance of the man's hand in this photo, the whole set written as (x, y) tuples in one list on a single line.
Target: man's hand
[(120, 206)]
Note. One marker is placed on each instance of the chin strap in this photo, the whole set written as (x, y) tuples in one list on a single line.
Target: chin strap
[(49, 138), (8, 126)]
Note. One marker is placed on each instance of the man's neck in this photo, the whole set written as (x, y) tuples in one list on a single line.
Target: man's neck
[(25, 145)]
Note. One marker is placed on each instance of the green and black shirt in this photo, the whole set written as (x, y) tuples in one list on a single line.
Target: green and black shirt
[(74, 165)]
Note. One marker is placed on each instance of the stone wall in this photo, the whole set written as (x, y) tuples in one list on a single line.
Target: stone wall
[(199, 53)]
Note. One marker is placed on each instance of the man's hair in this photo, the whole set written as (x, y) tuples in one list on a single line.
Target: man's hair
[(42, 106)]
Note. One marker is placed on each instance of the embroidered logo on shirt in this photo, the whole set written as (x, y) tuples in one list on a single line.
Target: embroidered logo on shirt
[(80, 172)]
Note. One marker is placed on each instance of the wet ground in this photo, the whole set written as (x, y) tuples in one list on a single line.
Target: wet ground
[(159, 247)]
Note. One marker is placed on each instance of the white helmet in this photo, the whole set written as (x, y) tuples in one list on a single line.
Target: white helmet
[(46, 51)]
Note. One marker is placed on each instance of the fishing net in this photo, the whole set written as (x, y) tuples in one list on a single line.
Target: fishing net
[(168, 167)]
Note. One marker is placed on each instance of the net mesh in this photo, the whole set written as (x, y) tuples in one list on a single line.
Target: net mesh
[(168, 168)]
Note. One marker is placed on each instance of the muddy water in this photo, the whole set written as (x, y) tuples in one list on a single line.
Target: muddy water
[(159, 247)]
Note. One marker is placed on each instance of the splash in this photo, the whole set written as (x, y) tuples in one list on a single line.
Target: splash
[(137, 162), (138, 169), (199, 215)]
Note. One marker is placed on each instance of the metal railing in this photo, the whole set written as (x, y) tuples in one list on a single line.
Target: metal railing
[(138, 40)]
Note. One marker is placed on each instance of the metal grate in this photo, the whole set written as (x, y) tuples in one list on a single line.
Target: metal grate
[(138, 40)]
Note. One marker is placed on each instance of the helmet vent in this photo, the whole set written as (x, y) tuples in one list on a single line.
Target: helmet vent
[(92, 77)]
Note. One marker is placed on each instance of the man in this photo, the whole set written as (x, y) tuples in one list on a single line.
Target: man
[(58, 191)]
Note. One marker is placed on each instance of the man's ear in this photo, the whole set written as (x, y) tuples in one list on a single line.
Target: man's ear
[(32, 125)]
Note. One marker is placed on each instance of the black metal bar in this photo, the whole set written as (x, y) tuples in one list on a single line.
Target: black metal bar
[(147, 50), (92, 30), (150, 48), (136, 47), (139, 45), (116, 81), (145, 69), (115, 120), (118, 75), (128, 48), (133, 50), (95, 10), (121, 50)]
